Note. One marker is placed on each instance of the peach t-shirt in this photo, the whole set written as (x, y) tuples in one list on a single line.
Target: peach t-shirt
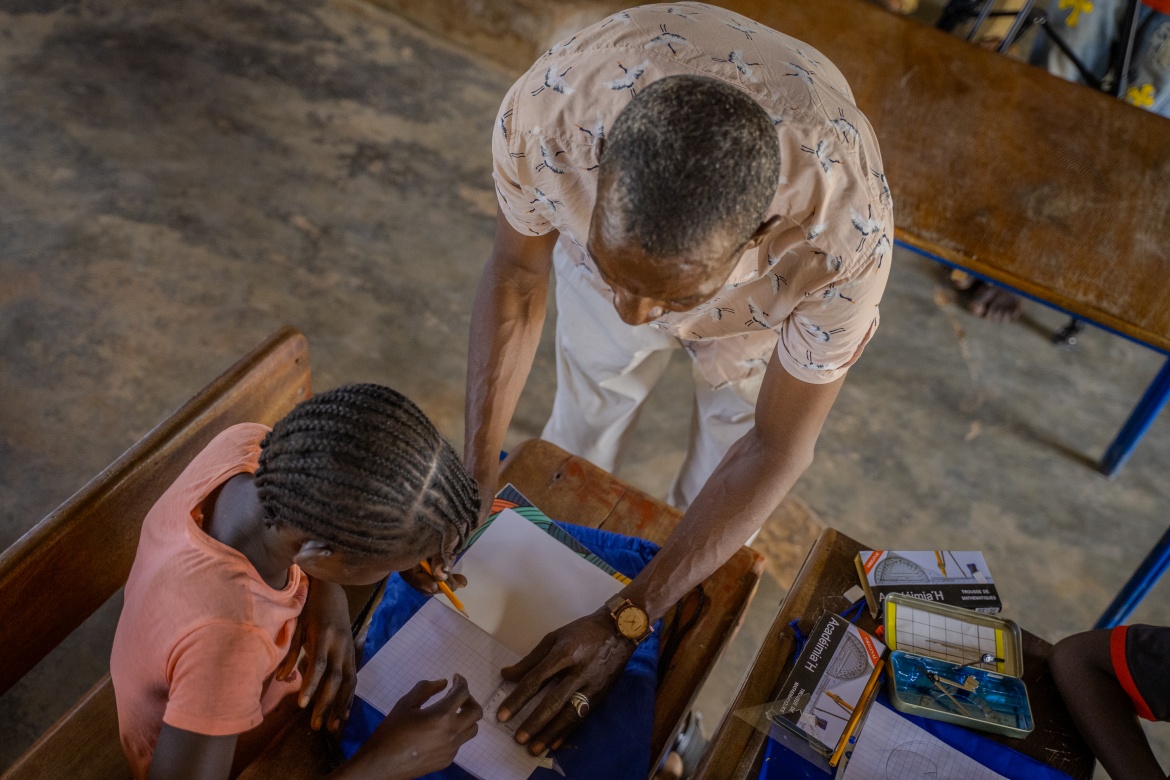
[(811, 292), (200, 633)]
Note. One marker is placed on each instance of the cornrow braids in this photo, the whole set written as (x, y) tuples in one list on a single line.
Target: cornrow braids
[(361, 467)]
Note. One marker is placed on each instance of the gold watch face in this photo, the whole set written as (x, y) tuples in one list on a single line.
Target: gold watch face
[(632, 622)]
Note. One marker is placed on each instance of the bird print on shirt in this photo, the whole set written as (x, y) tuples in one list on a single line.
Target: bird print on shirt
[(843, 126), (881, 249), (804, 56), (739, 26), (595, 133), (743, 66), (885, 191), (630, 78), (822, 155), (623, 17), (777, 280), (810, 363), (804, 74), (866, 226), (560, 47), (554, 81), (548, 159), (668, 39), (681, 14), (833, 292), (504, 119), (832, 262), (719, 312), (758, 315), (818, 333), (549, 203)]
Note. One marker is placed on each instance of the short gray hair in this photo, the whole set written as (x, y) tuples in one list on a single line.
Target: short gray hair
[(690, 159)]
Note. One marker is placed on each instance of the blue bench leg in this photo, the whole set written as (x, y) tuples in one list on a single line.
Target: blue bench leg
[(1138, 423), (1132, 593)]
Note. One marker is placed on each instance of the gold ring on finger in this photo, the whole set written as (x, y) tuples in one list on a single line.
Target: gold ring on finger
[(580, 704)]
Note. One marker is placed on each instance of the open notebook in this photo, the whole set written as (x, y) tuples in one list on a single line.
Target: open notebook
[(522, 583)]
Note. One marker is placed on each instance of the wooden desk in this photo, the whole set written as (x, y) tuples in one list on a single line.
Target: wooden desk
[(1050, 188), (573, 490), (737, 750)]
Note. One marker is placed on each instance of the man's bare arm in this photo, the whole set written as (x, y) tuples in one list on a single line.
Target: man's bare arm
[(751, 480), (506, 322), (587, 655)]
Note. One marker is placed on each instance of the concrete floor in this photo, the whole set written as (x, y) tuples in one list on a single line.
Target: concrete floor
[(177, 181)]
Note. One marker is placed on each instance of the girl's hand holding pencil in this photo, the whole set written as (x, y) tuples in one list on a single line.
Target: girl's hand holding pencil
[(423, 580)]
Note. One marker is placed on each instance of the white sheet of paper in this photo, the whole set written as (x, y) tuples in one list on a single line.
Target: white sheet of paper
[(892, 748), (523, 583), (436, 643)]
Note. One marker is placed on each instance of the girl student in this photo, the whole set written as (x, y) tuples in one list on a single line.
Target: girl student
[(240, 564)]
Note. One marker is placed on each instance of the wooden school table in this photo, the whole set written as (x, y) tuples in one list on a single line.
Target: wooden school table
[(1052, 189), (737, 749), (573, 490)]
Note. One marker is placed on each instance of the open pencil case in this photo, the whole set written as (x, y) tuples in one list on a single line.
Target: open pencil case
[(956, 665)]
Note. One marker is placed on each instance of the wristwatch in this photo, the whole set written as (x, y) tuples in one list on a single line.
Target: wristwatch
[(631, 620)]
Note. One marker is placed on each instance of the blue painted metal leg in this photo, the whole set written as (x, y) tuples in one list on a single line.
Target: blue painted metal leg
[(1132, 593), (1138, 423)]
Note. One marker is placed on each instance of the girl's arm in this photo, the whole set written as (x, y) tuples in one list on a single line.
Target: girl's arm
[(413, 740), (185, 754)]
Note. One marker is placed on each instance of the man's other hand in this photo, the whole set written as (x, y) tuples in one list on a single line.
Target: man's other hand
[(585, 656)]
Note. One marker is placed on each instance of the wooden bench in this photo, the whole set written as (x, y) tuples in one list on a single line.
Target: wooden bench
[(70, 563), (62, 570), (737, 749)]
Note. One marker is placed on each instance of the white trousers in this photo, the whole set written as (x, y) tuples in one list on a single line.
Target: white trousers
[(605, 370)]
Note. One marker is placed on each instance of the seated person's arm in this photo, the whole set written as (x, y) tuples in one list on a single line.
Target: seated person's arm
[(1086, 676), (191, 756), (411, 741)]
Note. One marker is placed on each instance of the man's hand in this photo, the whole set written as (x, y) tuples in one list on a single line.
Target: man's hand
[(323, 629), (413, 741), (585, 656)]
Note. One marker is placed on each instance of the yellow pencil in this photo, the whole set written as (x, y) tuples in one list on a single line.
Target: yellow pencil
[(855, 718), (446, 589), (840, 702), (942, 565)]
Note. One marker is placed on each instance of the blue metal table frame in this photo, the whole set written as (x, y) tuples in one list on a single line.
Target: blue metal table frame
[(1147, 410), (1143, 415)]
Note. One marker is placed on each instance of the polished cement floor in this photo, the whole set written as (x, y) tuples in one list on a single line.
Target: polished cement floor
[(179, 180)]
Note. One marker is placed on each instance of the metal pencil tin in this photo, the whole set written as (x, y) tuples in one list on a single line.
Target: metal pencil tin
[(937, 655)]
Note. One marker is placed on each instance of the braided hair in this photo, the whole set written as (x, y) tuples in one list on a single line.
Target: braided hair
[(361, 467)]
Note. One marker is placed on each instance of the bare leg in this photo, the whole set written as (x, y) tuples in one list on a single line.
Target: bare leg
[(1100, 707), (994, 303), (987, 300)]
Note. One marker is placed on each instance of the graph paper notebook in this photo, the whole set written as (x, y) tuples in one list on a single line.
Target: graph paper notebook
[(522, 583), (892, 748)]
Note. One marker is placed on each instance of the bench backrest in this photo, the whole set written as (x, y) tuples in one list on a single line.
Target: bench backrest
[(70, 563)]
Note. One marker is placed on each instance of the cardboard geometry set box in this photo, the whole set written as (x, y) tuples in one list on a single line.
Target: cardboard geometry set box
[(953, 577)]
